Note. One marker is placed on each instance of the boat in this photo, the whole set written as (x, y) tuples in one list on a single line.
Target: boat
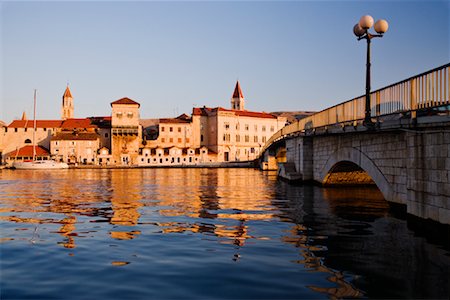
[(39, 164), (35, 164)]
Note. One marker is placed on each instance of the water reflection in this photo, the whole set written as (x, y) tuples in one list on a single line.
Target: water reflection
[(336, 234)]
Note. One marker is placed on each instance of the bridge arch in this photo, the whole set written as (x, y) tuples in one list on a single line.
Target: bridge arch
[(355, 156)]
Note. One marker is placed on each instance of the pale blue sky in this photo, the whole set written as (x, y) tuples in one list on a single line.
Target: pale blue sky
[(169, 56)]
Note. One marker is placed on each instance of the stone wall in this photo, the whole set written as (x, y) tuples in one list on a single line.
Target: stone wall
[(410, 167)]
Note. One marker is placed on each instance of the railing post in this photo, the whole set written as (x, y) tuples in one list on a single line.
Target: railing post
[(412, 98)]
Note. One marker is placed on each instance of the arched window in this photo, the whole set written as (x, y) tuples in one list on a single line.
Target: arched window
[(27, 141)]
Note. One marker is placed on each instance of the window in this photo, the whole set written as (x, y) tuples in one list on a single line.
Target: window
[(25, 129), (263, 139), (171, 129), (162, 129), (201, 138), (256, 127), (163, 140), (15, 129), (171, 140), (227, 125), (237, 126), (106, 135), (247, 138), (187, 140), (246, 127), (119, 114), (28, 141), (179, 129), (255, 138), (179, 140), (263, 128), (238, 138), (272, 129), (129, 114)]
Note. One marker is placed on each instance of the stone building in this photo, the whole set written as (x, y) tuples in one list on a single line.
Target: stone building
[(208, 135), (126, 132), (26, 153), (75, 147), (234, 134)]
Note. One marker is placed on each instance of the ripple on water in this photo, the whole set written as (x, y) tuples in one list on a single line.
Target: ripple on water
[(202, 233)]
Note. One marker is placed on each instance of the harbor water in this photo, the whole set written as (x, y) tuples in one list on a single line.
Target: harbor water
[(206, 234)]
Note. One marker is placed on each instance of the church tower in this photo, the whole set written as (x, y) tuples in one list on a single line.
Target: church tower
[(67, 105), (237, 101)]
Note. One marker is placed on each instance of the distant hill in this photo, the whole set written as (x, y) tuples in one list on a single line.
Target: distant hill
[(293, 116)]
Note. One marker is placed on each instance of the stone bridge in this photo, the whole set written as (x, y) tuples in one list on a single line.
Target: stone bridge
[(406, 154)]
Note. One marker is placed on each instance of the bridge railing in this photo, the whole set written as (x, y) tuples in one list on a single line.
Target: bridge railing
[(427, 90)]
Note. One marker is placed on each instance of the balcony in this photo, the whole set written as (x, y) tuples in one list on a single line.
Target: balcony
[(125, 130)]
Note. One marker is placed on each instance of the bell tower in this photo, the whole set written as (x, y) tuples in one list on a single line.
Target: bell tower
[(238, 101), (67, 105)]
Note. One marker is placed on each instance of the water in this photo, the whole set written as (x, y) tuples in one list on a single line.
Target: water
[(205, 234)]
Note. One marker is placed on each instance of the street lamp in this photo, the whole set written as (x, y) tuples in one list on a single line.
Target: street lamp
[(361, 30)]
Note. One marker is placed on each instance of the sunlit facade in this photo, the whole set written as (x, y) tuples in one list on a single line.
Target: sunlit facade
[(209, 135)]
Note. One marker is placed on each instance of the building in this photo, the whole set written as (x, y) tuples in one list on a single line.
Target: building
[(26, 153), (225, 134), (70, 140), (75, 147), (126, 132), (234, 134), (209, 135)]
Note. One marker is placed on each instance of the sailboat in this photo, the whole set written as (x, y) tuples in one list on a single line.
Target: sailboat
[(38, 164)]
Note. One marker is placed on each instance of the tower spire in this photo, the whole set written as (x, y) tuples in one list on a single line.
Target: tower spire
[(238, 100), (67, 104)]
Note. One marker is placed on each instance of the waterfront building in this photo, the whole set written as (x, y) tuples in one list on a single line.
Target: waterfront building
[(75, 147), (209, 135), (20, 133), (126, 132), (26, 153), (76, 141), (234, 134)]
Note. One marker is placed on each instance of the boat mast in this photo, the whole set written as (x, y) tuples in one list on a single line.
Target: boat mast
[(34, 127)]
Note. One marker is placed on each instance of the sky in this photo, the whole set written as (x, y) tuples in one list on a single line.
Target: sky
[(171, 56)]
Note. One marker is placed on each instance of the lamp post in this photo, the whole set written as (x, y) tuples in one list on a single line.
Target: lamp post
[(361, 30)]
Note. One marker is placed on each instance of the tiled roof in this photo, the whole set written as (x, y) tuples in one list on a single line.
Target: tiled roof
[(176, 120), (201, 111), (67, 93), (77, 123), (237, 91), (27, 151), (205, 111), (39, 124), (70, 136), (125, 101)]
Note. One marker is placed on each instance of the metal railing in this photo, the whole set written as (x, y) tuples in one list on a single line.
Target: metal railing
[(427, 90)]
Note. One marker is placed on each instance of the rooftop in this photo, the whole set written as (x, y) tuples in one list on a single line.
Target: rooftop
[(125, 101), (27, 151), (75, 136), (205, 111)]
